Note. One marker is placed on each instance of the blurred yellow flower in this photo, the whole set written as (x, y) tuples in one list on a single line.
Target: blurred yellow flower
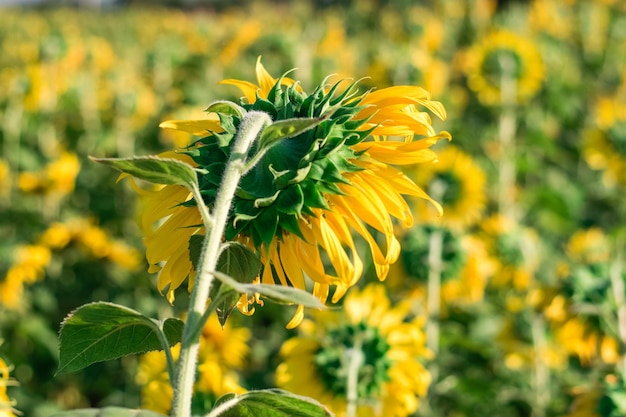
[(6, 404), (28, 267), (5, 177), (469, 287), (302, 200), (391, 378), (504, 55), (589, 246), (513, 249), (59, 176), (604, 147), (223, 351), (456, 181)]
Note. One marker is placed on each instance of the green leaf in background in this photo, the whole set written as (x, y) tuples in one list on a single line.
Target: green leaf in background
[(102, 331), (107, 412), (268, 403), (154, 169), (285, 129)]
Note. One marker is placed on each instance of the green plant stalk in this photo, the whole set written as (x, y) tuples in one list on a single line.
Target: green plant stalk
[(541, 371), (617, 285), (506, 132), (433, 306), (355, 360), (251, 125)]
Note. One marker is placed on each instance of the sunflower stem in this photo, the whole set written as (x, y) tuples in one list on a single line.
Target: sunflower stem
[(251, 126), (355, 360), (506, 132), (541, 370), (434, 298), (617, 285)]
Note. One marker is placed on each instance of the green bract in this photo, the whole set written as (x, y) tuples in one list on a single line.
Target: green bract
[(294, 171)]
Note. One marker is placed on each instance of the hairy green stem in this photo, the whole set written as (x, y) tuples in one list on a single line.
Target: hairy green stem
[(355, 360), (251, 125)]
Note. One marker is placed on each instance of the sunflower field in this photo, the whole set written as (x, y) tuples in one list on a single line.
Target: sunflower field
[(448, 178)]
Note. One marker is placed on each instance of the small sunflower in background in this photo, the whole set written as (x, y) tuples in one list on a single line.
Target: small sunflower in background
[(300, 204), (469, 286), (59, 176), (389, 379), (604, 147), (504, 54), (458, 183), (580, 321), (223, 352), (28, 266), (6, 404)]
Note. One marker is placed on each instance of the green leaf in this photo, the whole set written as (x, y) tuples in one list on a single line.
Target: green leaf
[(154, 169), (268, 403), (285, 129), (240, 263), (107, 412), (227, 107), (102, 331), (196, 243), (277, 293)]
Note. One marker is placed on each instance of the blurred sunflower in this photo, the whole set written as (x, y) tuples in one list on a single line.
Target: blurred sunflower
[(458, 183), (298, 206), (5, 177), (59, 176), (513, 249), (223, 351), (29, 265), (577, 320), (6, 404), (504, 54), (390, 378), (469, 286), (604, 147)]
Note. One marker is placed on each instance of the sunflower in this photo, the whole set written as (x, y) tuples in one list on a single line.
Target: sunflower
[(504, 53), (391, 378), (223, 352), (301, 202), (458, 183), (581, 331), (604, 147), (513, 250), (6, 404), (28, 267)]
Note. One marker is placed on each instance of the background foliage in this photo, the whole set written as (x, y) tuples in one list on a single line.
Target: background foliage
[(530, 294)]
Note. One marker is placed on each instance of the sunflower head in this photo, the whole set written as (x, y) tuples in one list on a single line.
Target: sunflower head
[(502, 56), (326, 170), (294, 174), (458, 182), (391, 377)]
